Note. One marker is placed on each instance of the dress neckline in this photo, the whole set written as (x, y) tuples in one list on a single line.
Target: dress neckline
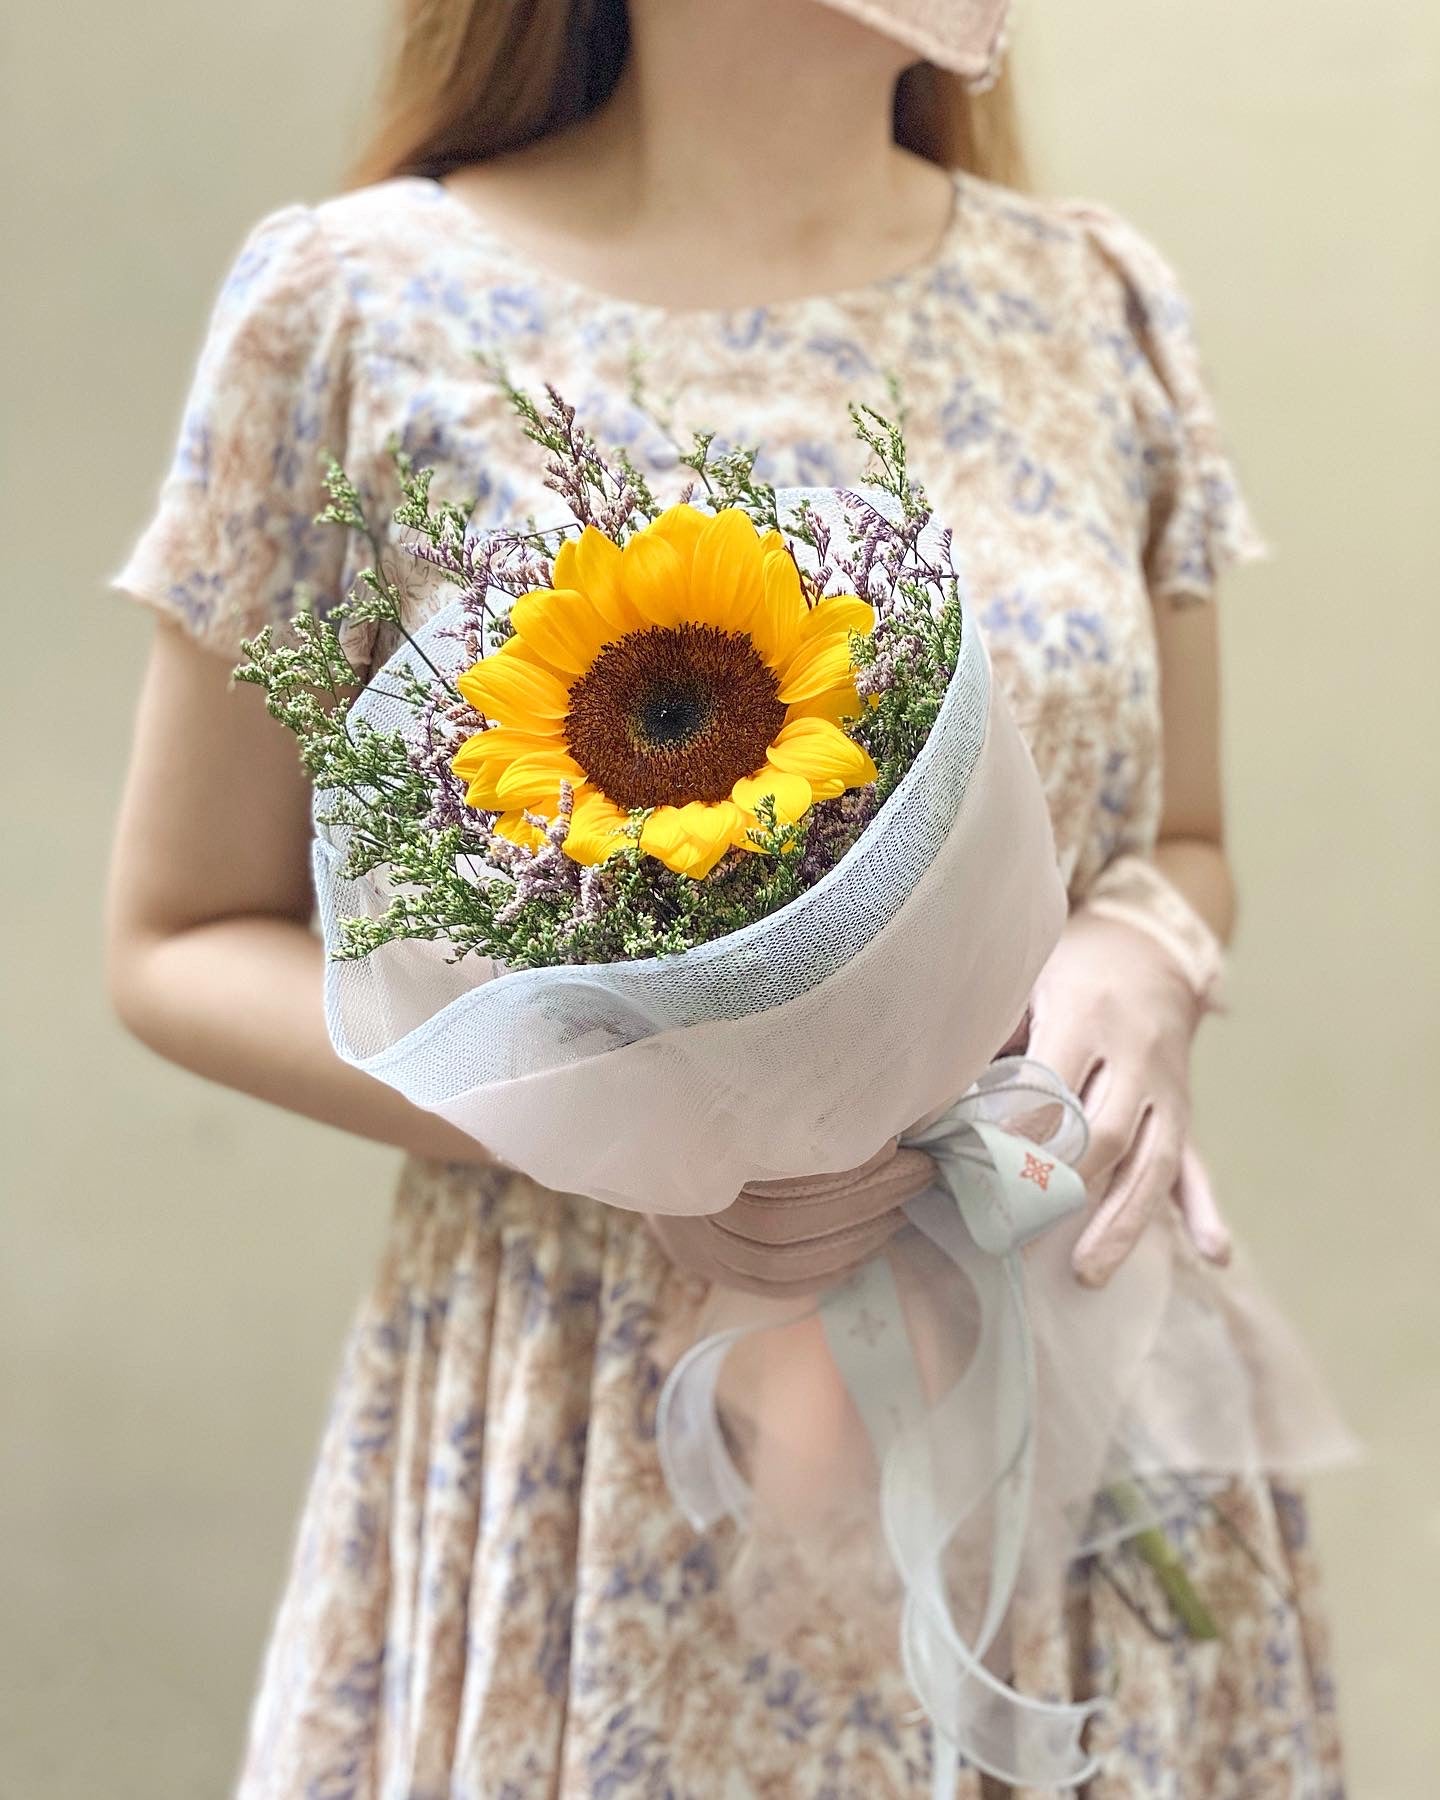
[(525, 268)]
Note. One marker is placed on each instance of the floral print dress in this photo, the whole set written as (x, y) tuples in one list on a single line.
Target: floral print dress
[(491, 1596)]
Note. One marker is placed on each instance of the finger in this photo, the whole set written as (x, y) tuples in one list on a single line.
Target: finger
[(1072, 1055), (1200, 1210), (1145, 1178), (1115, 1110)]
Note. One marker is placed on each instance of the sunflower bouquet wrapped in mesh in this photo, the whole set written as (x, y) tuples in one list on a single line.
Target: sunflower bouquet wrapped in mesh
[(687, 857)]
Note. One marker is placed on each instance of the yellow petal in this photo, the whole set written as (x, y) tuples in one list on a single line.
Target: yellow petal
[(654, 580), (838, 612), (726, 578), (515, 826), (501, 742), (591, 565), (701, 861), (502, 786), (680, 526), (522, 652), (706, 822), (515, 691), (791, 792), (534, 781), (561, 626), (664, 836), (776, 621), (821, 752), (692, 838), (594, 828), (816, 666), (836, 704)]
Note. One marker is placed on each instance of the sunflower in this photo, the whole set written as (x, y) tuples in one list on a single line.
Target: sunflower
[(685, 675)]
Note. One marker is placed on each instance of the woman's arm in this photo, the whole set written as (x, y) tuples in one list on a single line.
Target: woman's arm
[(1191, 845), (210, 955), (1115, 1009)]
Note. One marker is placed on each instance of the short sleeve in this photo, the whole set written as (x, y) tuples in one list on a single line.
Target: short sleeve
[(232, 544), (1199, 521)]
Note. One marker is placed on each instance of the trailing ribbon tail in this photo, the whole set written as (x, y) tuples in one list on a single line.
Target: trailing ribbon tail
[(941, 1461)]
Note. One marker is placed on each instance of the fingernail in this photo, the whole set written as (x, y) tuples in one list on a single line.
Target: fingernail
[(1090, 1272), (1216, 1247)]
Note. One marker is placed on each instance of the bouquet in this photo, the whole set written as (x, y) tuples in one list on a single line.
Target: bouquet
[(686, 850)]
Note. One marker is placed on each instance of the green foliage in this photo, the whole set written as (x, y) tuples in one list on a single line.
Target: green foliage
[(885, 439), (916, 655), (378, 793)]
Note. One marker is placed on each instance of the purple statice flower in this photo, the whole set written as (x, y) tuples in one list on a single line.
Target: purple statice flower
[(487, 566), (885, 552), (894, 645), (443, 723), (877, 677), (612, 516), (820, 531), (877, 545), (580, 475), (545, 871), (593, 889)]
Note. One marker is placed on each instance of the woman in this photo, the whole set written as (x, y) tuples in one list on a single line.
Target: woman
[(754, 207)]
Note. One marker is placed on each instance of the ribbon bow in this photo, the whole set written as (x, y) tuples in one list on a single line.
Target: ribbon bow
[(1003, 1156)]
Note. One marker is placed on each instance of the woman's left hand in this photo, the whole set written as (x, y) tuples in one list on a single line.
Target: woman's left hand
[(1115, 1016)]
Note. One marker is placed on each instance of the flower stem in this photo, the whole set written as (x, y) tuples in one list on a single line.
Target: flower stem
[(1155, 1549)]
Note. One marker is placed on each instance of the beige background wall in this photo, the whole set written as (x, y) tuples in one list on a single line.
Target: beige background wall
[(178, 1264)]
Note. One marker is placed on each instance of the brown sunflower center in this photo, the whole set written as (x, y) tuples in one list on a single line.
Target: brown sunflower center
[(673, 714)]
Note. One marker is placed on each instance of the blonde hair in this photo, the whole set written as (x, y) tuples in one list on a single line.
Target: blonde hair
[(469, 79)]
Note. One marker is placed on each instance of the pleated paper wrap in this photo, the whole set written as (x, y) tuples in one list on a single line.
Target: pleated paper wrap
[(948, 1425)]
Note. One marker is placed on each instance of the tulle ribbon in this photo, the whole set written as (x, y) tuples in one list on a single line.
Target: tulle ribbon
[(1003, 1156)]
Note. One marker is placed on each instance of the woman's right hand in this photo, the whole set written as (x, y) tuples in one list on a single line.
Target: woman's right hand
[(210, 955)]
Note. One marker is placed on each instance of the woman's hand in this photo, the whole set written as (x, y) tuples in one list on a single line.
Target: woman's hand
[(1115, 1014)]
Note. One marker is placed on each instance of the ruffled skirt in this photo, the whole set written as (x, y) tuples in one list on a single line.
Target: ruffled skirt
[(493, 1598)]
